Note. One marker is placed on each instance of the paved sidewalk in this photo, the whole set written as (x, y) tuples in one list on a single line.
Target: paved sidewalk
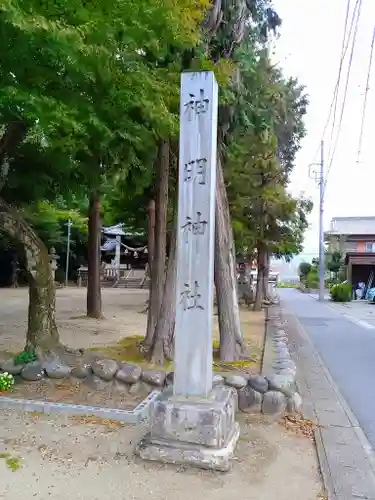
[(346, 457)]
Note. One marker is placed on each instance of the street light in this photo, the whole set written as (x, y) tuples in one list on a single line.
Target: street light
[(69, 224)]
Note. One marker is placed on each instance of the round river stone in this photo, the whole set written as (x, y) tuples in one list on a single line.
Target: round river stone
[(33, 371), (105, 368)]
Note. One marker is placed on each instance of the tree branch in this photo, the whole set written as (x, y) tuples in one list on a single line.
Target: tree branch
[(13, 224), (14, 134)]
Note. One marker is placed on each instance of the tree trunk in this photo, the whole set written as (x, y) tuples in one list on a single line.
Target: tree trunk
[(231, 344), (151, 234), (42, 334), (163, 338), (260, 279), (159, 257), (94, 296), (15, 270), (266, 275)]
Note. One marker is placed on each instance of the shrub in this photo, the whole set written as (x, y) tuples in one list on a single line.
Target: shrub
[(6, 381), (312, 281), (24, 357), (332, 281), (341, 292), (304, 269)]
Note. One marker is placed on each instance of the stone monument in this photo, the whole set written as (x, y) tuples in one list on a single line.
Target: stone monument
[(194, 423)]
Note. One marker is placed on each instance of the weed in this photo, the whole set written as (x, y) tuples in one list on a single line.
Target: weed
[(13, 463)]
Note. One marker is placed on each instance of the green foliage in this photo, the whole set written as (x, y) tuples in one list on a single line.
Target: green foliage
[(24, 357), (334, 262), (304, 269), (97, 88), (341, 292), (312, 279), (79, 77), (264, 140), (6, 381), (280, 284)]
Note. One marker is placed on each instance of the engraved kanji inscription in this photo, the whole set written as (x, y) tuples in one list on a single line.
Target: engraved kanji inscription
[(190, 297), (188, 170), (197, 105), (196, 170), (201, 170), (196, 227)]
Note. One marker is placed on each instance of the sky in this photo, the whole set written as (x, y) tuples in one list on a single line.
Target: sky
[(309, 48)]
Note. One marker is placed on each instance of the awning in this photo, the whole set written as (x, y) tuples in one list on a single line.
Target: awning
[(360, 258)]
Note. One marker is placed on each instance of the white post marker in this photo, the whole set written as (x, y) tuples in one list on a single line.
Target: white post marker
[(196, 234), (195, 425)]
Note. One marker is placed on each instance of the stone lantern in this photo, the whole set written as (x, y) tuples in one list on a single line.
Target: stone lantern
[(53, 258)]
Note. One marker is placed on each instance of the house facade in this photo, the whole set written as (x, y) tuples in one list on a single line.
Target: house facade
[(351, 234), (354, 238)]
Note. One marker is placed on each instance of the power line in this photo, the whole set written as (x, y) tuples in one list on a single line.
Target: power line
[(345, 91), (344, 49), (365, 98)]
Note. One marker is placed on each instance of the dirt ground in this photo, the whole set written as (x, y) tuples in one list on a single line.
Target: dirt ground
[(121, 309), (58, 457), (114, 337), (123, 318)]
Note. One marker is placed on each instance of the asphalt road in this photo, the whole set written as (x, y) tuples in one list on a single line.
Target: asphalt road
[(346, 347)]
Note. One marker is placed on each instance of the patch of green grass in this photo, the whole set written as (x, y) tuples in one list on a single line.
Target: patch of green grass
[(13, 463), (129, 349), (287, 285)]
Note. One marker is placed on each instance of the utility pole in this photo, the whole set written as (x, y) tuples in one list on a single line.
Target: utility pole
[(69, 224), (318, 177)]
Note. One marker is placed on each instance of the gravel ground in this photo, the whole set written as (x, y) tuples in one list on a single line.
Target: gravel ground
[(65, 458)]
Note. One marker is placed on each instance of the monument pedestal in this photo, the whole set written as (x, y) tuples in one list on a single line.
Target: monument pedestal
[(193, 431)]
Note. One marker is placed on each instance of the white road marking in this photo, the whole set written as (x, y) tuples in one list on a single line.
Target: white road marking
[(358, 322)]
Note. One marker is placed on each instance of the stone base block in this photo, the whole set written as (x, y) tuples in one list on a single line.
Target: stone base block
[(195, 420), (180, 453), (193, 431)]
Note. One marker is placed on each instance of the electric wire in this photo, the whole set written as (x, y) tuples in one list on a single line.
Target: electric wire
[(344, 48), (344, 51), (330, 163), (365, 98)]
